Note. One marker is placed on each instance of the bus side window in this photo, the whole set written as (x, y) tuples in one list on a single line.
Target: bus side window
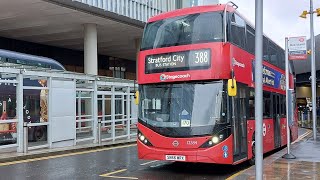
[(266, 105), (265, 49), (238, 31), (250, 45), (251, 105), (283, 105), (9, 60), (273, 55)]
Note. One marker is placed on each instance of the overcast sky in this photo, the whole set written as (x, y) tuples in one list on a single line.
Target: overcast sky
[(281, 17)]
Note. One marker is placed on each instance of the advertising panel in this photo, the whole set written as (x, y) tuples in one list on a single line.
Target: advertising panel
[(271, 77)]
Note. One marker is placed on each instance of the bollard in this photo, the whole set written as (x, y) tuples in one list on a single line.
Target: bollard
[(25, 137), (99, 131), (302, 118), (309, 119)]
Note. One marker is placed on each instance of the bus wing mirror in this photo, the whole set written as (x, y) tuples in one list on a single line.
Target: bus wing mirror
[(232, 87), (136, 97)]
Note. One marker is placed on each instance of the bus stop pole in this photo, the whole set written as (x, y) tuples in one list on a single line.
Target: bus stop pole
[(288, 93), (313, 75), (25, 137), (258, 89)]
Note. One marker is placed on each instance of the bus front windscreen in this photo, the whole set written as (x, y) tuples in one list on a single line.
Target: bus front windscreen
[(182, 30), (182, 110)]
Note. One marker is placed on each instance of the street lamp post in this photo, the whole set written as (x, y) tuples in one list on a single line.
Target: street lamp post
[(258, 90), (313, 67)]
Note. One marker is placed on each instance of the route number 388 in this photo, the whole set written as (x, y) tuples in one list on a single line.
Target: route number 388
[(202, 57)]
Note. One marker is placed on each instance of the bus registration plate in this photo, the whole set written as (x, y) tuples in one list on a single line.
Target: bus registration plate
[(175, 158)]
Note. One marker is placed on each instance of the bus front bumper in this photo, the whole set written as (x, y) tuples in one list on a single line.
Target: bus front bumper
[(216, 154)]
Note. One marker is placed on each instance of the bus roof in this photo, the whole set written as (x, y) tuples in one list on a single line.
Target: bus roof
[(191, 10), (31, 58), (202, 9)]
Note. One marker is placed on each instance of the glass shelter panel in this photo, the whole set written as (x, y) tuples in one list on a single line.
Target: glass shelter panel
[(8, 129), (84, 118), (35, 111)]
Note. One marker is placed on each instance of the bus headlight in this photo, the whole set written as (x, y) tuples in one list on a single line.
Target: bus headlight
[(215, 139), (143, 139)]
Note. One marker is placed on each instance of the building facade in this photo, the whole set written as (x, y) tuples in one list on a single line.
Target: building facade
[(89, 36)]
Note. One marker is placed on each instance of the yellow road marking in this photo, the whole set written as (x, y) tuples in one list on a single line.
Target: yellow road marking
[(143, 164), (114, 172), (236, 174), (119, 177), (302, 136), (63, 155), (108, 175), (297, 140)]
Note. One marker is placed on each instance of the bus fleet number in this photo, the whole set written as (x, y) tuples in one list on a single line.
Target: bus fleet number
[(201, 57)]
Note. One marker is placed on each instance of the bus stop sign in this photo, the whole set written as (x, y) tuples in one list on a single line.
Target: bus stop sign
[(297, 48)]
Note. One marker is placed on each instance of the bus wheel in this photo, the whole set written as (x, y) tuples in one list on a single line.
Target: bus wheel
[(253, 159), (39, 134)]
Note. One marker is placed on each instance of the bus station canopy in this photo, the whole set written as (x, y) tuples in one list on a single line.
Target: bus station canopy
[(61, 23)]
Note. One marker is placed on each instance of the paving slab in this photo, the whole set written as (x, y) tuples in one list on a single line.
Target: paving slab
[(305, 166)]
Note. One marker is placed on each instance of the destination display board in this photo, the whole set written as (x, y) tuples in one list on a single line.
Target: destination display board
[(178, 61)]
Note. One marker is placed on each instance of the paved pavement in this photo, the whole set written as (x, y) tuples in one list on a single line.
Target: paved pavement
[(118, 162), (305, 166)]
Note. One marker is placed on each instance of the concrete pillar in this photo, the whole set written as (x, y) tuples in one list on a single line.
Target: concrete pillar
[(90, 49), (138, 44)]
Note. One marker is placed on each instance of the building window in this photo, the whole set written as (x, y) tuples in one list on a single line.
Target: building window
[(118, 67), (118, 72)]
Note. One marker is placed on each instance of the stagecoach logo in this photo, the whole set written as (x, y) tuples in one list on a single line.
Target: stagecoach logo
[(164, 77), (237, 63), (175, 143)]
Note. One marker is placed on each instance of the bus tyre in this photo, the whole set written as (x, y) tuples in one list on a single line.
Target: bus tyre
[(39, 134), (253, 159)]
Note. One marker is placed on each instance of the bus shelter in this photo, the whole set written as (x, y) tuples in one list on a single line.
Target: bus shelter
[(45, 108)]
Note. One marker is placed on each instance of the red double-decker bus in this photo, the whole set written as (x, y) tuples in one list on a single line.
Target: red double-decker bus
[(186, 112)]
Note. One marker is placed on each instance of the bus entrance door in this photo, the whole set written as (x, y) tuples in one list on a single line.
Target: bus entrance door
[(239, 121), (276, 120)]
